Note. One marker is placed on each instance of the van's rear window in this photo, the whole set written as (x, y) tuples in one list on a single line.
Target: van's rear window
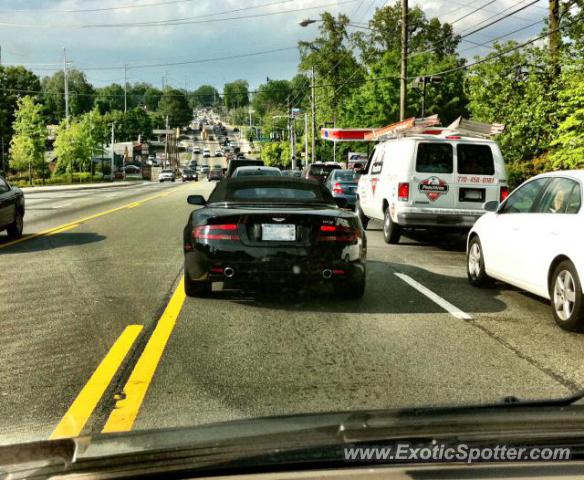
[(434, 158), (475, 159)]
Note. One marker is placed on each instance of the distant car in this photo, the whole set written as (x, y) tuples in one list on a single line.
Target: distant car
[(533, 240), (188, 175), (218, 153), (215, 175), (343, 184), (132, 169), (257, 171), (236, 130), (206, 153), (204, 169), (257, 231), (319, 171), (167, 176), (196, 150), (11, 210), (236, 163)]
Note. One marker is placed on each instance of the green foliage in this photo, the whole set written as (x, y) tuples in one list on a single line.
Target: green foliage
[(27, 147), (175, 105), (80, 95), (152, 98), (236, 94), (204, 96), (568, 146), (109, 98), (274, 95), (518, 91), (131, 125)]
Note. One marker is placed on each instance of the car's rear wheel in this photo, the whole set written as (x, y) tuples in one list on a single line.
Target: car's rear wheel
[(15, 229), (566, 296), (353, 289), (391, 230), (475, 264), (364, 218), (196, 289)]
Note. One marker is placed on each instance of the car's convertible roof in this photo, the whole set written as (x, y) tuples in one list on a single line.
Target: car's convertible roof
[(224, 190)]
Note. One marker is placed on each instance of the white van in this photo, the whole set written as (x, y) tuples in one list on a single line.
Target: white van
[(430, 180)]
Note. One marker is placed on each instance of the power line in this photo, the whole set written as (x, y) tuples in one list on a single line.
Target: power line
[(473, 11), (87, 10), (174, 22)]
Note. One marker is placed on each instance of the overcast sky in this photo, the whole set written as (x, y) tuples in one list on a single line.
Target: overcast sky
[(34, 33)]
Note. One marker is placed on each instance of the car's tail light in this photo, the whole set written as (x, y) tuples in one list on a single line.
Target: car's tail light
[(403, 192), (216, 232), (337, 188), (337, 233), (504, 194)]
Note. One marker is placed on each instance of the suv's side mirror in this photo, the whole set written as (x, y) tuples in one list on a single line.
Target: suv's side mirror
[(491, 206), (196, 200)]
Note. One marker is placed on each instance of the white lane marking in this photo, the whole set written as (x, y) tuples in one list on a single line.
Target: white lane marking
[(63, 205), (446, 305)]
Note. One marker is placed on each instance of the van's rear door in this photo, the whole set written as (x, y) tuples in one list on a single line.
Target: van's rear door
[(434, 176), (478, 175)]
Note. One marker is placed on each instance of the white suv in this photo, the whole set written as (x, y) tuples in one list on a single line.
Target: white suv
[(430, 180), (167, 176)]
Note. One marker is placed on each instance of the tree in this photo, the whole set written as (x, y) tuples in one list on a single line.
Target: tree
[(175, 105), (136, 94), (274, 95), (236, 94), (80, 95), (204, 96), (568, 146), (152, 98), (74, 146), (14, 83), (337, 70), (109, 98), (131, 125), (28, 144)]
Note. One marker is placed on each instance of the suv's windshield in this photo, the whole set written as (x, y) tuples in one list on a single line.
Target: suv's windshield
[(383, 245)]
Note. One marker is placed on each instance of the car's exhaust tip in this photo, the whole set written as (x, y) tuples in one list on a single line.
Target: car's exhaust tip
[(327, 273), (229, 272)]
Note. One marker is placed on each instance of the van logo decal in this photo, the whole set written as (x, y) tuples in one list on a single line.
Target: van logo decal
[(433, 187)]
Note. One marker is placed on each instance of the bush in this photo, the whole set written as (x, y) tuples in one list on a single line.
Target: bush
[(519, 172)]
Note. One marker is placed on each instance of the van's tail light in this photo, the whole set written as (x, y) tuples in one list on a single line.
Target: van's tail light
[(216, 232), (504, 194), (337, 188), (337, 233), (403, 192)]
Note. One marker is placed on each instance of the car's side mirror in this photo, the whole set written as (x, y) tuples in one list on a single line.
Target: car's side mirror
[(491, 206), (196, 200), (341, 202)]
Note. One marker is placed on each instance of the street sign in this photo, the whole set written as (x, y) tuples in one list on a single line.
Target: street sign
[(163, 132), (295, 112)]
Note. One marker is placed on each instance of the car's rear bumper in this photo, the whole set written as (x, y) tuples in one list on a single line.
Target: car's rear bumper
[(447, 218), (271, 270)]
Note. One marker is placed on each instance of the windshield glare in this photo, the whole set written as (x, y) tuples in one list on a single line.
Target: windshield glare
[(214, 212)]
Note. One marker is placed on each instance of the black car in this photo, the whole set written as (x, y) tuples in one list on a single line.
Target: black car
[(273, 230), (242, 162), (11, 209), (189, 174), (319, 171)]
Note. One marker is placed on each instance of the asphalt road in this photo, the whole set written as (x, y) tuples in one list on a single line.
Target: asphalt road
[(97, 334)]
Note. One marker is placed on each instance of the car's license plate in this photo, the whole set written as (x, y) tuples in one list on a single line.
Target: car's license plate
[(276, 232)]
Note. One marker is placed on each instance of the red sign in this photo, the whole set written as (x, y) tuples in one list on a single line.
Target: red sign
[(345, 134)]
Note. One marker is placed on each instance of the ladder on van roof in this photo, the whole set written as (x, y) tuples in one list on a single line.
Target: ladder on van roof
[(431, 126)]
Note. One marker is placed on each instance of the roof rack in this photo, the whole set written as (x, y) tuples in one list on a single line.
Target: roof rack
[(470, 128), (409, 126)]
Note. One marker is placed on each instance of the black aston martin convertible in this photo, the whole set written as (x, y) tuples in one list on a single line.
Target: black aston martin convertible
[(273, 230)]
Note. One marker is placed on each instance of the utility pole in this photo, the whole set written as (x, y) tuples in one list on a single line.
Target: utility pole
[(113, 154), (305, 138), (403, 93), (313, 111), (166, 144), (293, 142), (66, 80), (125, 88), (555, 36)]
